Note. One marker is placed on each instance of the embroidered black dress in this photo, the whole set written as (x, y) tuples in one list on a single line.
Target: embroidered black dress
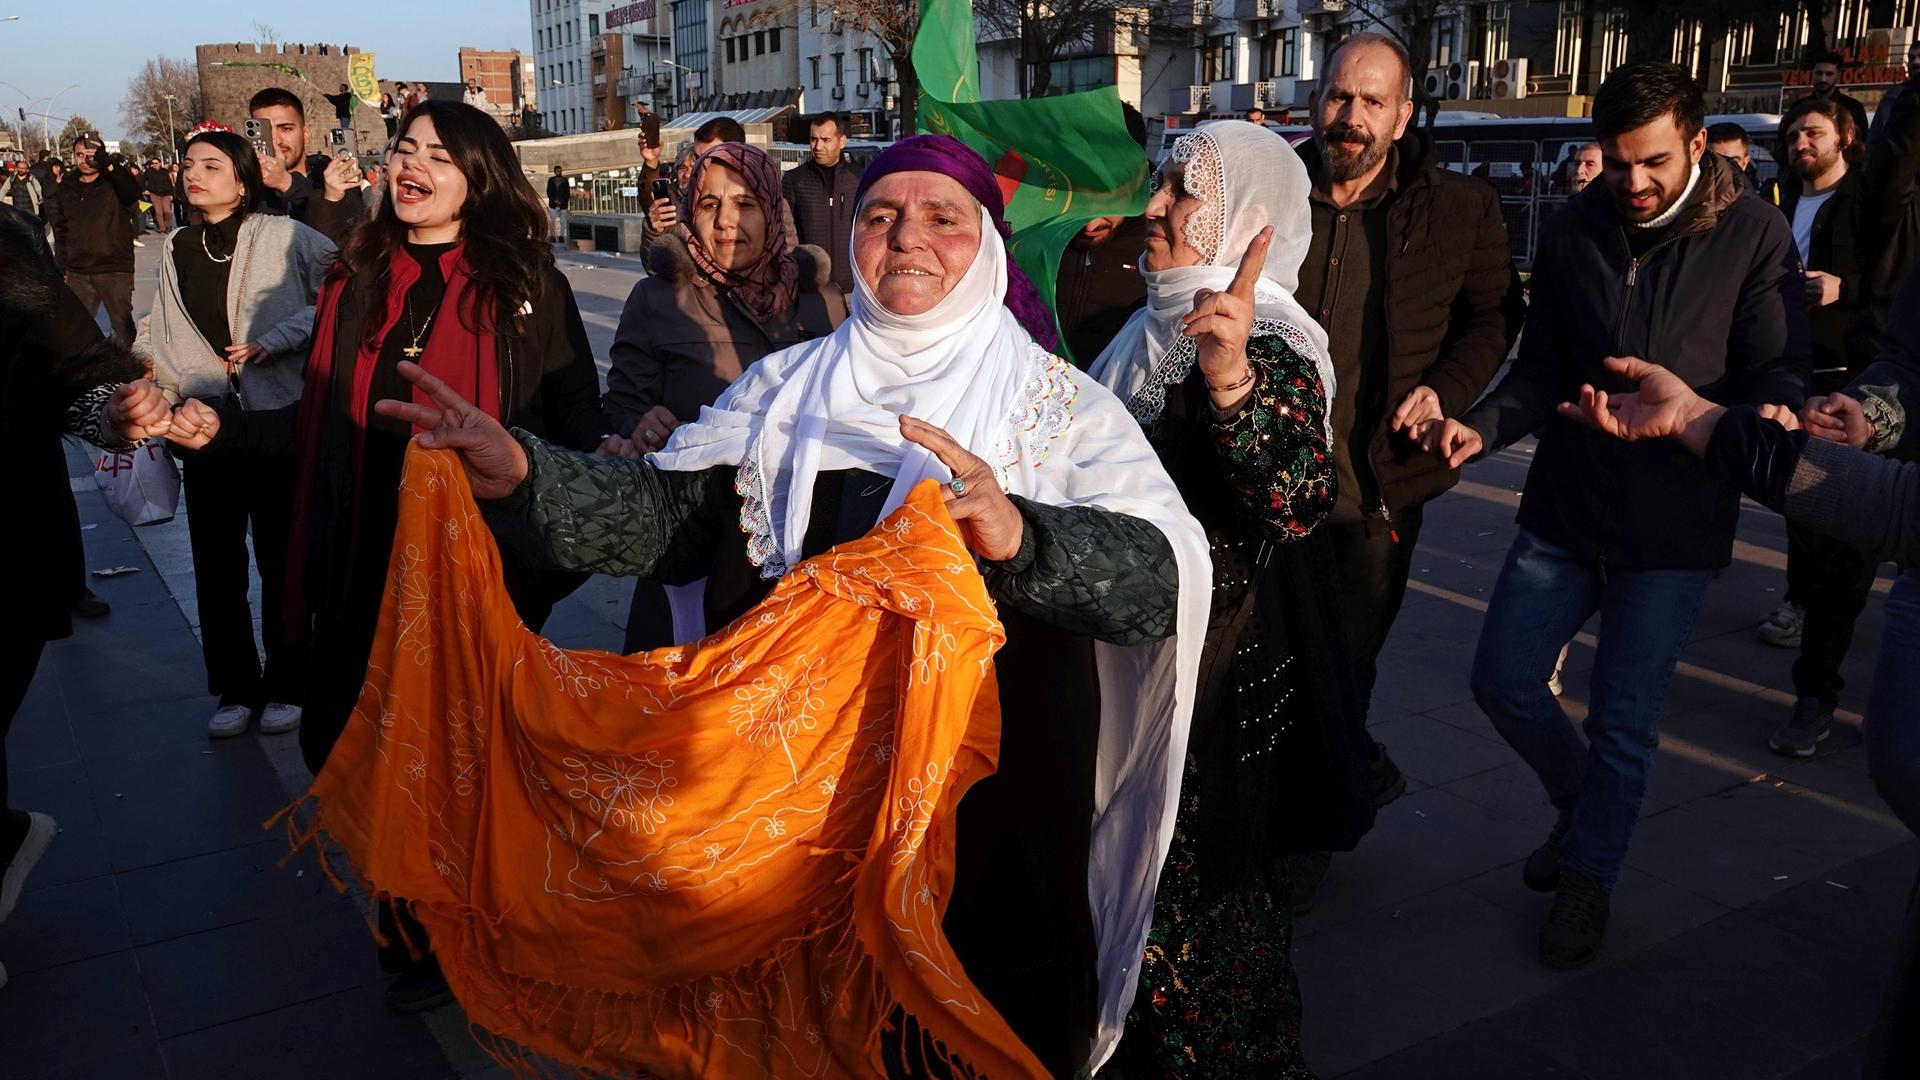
[(1217, 995)]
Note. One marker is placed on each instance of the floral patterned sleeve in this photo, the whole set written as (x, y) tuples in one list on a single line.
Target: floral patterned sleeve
[(1274, 447)]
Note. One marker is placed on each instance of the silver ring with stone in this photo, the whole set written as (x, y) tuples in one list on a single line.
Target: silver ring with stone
[(958, 485)]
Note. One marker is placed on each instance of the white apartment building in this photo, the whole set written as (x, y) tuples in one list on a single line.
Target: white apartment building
[(845, 69), (563, 35)]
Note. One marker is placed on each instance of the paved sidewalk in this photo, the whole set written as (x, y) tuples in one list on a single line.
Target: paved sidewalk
[(160, 938)]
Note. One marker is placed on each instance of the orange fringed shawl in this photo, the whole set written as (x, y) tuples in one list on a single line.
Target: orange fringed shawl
[(724, 859)]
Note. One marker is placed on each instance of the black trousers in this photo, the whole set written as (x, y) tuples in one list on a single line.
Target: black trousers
[(1832, 582), (1370, 563), (17, 664), (115, 291), (227, 494)]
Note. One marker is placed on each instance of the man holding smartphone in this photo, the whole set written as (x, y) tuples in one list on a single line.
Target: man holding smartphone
[(323, 194), (91, 213)]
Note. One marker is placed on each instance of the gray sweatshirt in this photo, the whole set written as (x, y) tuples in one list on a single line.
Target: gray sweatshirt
[(278, 266)]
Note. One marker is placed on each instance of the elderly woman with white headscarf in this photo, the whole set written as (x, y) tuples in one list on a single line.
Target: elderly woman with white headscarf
[(942, 371), (1231, 379)]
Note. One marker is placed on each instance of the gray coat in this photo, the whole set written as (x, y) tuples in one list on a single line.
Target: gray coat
[(681, 342), (278, 267)]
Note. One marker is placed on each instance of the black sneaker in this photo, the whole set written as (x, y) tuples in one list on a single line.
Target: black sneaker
[(90, 606), (1542, 870), (419, 988), (1800, 736), (1307, 871), (1577, 922), (1389, 783)]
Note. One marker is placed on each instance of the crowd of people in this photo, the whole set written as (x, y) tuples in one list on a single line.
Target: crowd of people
[(1192, 491)]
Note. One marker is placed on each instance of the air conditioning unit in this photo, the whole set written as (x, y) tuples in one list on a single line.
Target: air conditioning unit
[(863, 89), (1462, 77), (1434, 82), (1509, 77), (839, 92), (1199, 99), (1267, 9)]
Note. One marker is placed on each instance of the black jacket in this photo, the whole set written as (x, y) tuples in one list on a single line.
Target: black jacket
[(1867, 234), (557, 189), (1453, 307), (51, 352), (1719, 301), (306, 202), (93, 222), (1096, 290), (157, 182), (822, 208)]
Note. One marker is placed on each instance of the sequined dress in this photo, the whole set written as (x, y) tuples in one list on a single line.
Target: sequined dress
[(1218, 996)]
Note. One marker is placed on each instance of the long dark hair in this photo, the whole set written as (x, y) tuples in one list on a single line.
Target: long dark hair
[(1853, 148), (246, 166), (503, 224)]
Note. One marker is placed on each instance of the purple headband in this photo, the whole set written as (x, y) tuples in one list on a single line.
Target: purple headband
[(948, 156)]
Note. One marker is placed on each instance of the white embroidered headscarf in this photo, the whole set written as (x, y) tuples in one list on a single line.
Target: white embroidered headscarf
[(1053, 435), (1246, 178)]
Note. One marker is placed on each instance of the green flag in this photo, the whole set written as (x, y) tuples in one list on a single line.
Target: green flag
[(1061, 161)]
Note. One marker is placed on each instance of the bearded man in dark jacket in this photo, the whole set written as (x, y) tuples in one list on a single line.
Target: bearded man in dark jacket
[(1411, 274), (1669, 259), (91, 215)]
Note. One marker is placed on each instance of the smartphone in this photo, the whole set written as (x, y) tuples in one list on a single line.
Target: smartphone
[(343, 141), (256, 133), (662, 188)]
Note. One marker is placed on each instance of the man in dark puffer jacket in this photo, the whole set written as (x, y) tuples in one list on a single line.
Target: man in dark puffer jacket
[(1411, 274), (1669, 259)]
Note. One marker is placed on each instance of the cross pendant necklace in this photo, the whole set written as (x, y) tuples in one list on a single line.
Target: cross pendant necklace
[(413, 349)]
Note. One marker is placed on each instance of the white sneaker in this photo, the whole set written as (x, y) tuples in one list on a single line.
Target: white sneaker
[(40, 832), (1783, 627), (230, 720), (278, 719)]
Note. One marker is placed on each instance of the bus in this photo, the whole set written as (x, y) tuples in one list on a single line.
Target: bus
[(1528, 159)]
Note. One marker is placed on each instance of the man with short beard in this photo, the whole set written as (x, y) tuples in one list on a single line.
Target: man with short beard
[(1857, 233), (1411, 274), (91, 215), (1670, 260)]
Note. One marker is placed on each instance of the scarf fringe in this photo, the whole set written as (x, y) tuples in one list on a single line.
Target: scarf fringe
[(609, 1018)]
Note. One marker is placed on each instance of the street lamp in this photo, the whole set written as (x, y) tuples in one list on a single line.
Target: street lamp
[(172, 146), (46, 138), (676, 82)]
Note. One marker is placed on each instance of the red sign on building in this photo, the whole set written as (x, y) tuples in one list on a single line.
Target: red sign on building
[(631, 13)]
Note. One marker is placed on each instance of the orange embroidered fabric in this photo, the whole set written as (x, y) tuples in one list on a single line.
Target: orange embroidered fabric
[(728, 859)]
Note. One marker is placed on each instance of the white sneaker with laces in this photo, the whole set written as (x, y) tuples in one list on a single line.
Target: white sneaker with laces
[(41, 830), (230, 720), (1783, 626), (278, 719)]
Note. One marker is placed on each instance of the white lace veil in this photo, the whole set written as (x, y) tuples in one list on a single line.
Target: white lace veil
[(1246, 178)]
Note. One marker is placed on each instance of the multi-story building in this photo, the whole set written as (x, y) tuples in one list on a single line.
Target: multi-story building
[(635, 54), (842, 67), (500, 75), (564, 32)]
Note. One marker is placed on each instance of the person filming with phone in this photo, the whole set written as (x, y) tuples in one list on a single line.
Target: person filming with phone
[(321, 193)]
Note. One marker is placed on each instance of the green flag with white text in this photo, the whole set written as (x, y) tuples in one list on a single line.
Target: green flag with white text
[(1061, 161)]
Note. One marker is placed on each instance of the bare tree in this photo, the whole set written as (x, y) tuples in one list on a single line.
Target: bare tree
[(264, 33), (144, 112), (1047, 30), (893, 23)]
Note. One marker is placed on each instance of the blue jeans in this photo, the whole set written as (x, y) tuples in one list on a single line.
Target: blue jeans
[(1892, 730), (1544, 595)]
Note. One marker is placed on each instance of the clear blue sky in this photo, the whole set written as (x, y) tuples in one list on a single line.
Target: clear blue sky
[(100, 43)]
